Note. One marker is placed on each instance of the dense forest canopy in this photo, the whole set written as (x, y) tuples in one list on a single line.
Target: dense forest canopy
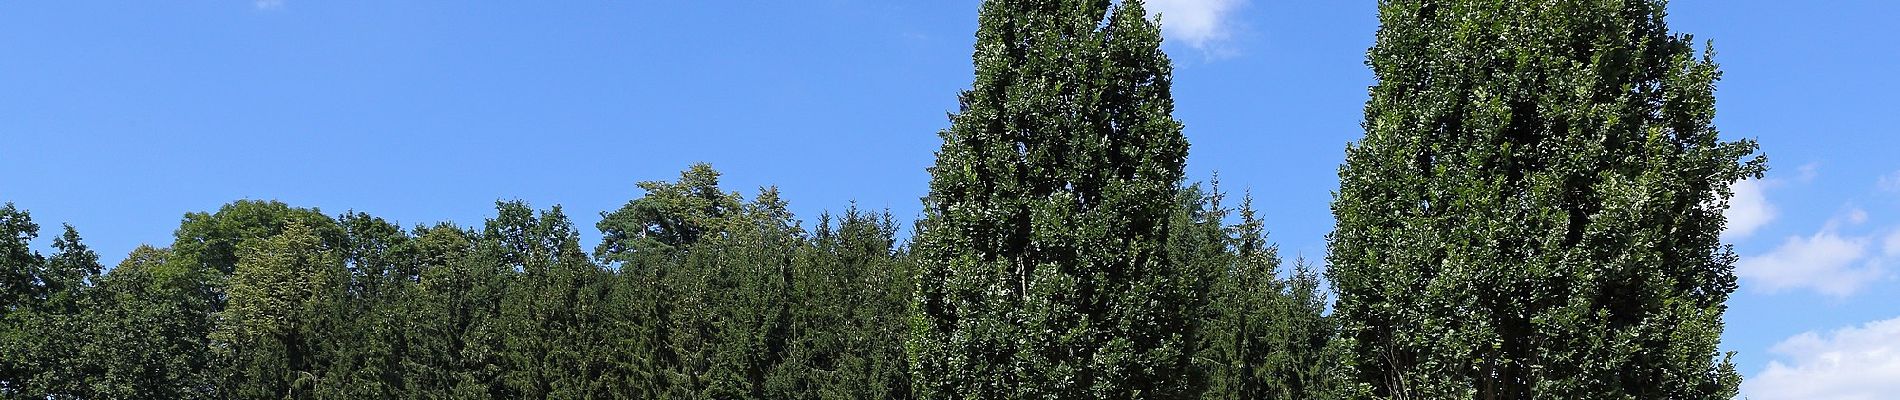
[(1534, 212)]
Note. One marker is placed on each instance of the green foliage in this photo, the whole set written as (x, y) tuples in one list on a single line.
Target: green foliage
[(662, 291), (42, 330), (19, 264), (1534, 212), (849, 300), (455, 312), (282, 294), (1043, 270), (20, 291), (149, 324), (706, 278), (211, 240), (552, 305), (1535, 209), (671, 214), (1266, 336), (717, 297)]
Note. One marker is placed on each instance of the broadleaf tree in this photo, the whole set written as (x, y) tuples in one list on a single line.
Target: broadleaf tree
[(1042, 261), (1536, 207)]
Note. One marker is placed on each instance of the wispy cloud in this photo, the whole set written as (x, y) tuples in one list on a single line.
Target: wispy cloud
[(1825, 262), (1200, 23), (1890, 183), (1850, 363), (1807, 172), (1838, 260), (268, 4)]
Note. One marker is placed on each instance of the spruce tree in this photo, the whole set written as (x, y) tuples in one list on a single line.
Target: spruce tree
[(661, 311), (551, 304), (1535, 208), (471, 275), (364, 344), (1267, 337), (457, 300), (1043, 270), (850, 301), (705, 288)]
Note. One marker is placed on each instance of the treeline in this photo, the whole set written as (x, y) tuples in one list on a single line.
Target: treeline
[(1534, 212), (694, 292)]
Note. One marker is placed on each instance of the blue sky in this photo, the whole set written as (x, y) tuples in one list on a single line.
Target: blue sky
[(118, 117)]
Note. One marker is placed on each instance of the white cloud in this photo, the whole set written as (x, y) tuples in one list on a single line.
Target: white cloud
[(1748, 210), (268, 4), (1826, 262), (1852, 363), (1200, 23)]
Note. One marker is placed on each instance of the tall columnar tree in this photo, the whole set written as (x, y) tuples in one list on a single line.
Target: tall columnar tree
[(1043, 266), (1535, 209)]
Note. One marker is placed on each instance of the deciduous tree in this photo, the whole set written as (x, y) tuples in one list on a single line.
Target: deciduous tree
[(1535, 209), (1043, 265)]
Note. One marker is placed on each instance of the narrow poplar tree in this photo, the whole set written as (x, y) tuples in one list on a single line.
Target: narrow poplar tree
[(1535, 209), (1042, 257)]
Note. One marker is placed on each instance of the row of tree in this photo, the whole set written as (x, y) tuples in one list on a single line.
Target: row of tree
[(693, 293), (1534, 212)]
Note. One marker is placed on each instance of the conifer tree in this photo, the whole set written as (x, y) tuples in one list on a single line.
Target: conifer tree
[(1043, 270), (551, 304), (849, 307), (705, 286), (1535, 209), (661, 310), (1268, 338), (364, 346), (456, 305)]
